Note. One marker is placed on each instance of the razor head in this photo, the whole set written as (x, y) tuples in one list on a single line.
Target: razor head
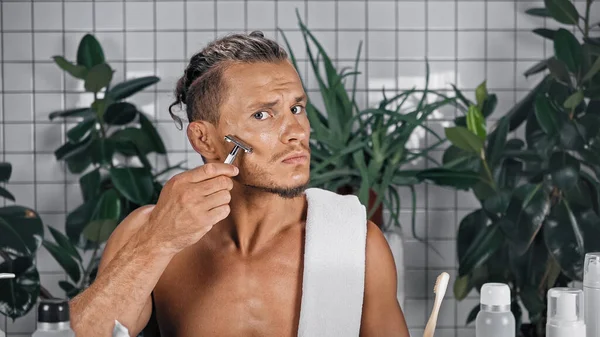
[(238, 142)]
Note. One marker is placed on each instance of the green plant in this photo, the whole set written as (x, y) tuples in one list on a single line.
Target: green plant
[(539, 196), (111, 133), (103, 147), (21, 234), (365, 150)]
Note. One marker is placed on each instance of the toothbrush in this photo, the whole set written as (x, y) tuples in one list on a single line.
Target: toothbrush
[(6, 276), (441, 283)]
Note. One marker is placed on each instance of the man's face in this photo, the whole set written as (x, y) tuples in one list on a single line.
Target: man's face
[(264, 106)]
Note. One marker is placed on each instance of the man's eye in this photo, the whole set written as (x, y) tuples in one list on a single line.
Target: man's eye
[(261, 115), (297, 109)]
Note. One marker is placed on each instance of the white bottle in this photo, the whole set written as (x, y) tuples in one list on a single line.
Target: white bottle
[(5, 276), (565, 313), (591, 293), (495, 318), (53, 319)]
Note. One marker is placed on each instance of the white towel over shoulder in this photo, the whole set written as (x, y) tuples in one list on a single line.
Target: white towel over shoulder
[(334, 265)]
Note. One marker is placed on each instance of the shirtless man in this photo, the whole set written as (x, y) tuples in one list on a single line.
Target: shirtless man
[(221, 252)]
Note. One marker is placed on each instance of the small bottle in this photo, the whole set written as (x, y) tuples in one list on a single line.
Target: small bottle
[(591, 293), (495, 318), (565, 313), (53, 319), (4, 276)]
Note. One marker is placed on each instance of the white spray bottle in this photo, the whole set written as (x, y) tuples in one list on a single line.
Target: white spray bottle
[(591, 293), (565, 313), (5, 276)]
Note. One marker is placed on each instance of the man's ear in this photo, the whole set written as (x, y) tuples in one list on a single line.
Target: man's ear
[(201, 135)]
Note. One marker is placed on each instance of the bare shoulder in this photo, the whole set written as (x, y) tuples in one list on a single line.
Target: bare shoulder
[(379, 256), (382, 314)]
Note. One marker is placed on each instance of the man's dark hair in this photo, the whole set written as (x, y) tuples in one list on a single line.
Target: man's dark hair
[(201, 87)]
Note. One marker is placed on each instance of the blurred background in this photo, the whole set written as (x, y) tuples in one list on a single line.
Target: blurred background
[(464, 43)]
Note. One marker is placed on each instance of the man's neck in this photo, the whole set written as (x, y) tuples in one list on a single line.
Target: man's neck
[(257, 217)]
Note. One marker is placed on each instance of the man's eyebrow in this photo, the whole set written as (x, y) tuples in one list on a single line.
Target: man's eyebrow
[(268, 105)]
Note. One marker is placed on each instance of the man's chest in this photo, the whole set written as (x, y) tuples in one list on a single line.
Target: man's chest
[(220, 295)]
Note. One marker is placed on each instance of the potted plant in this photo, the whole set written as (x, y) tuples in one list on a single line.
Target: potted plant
[(539, 196), (108, 148), (21, 234), (364, 151)]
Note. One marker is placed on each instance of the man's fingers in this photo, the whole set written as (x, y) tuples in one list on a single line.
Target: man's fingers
[(216, 199), (211, 170), (214, 185), (219, 213)]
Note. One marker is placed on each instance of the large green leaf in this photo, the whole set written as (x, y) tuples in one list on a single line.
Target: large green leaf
[(476, 122), (6, 194), (10, 241), (64, 259), (78, 162), (592, 71), (498, 202), (562, 11), (127, 139), (70, 149), (458, 179), (469, 228), (543, 12), (564, 169), (547, 116), (101, 151), (571, 135), (5, 171), (564, 240), (89, 52), (74, 70), (559, 71), (78, 219), (458, 159), (130, 87), (63, 241), (464, 139), (120, 113), (134, 183), (485, 244), (98, 77), (89, 184), (496, 142), (574, 100), (26, 223), (526, 212), (19, 295), (567, 49), (536, 68), (69, 288), (105, 218), (544, 32), (78, 112), (153, 136), (76, 133)]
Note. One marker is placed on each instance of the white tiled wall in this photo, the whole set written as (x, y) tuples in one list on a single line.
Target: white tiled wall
[(465, 42)]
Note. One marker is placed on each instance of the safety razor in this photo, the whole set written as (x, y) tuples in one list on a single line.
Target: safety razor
[(238, 144)]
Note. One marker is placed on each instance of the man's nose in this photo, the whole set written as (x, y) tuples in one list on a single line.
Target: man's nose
[(293, 130)]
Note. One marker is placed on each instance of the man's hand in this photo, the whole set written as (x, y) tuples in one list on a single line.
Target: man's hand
[(190, 204), (382, 315)]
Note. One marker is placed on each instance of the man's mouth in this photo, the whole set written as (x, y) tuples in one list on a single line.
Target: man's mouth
[(296, 158)]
